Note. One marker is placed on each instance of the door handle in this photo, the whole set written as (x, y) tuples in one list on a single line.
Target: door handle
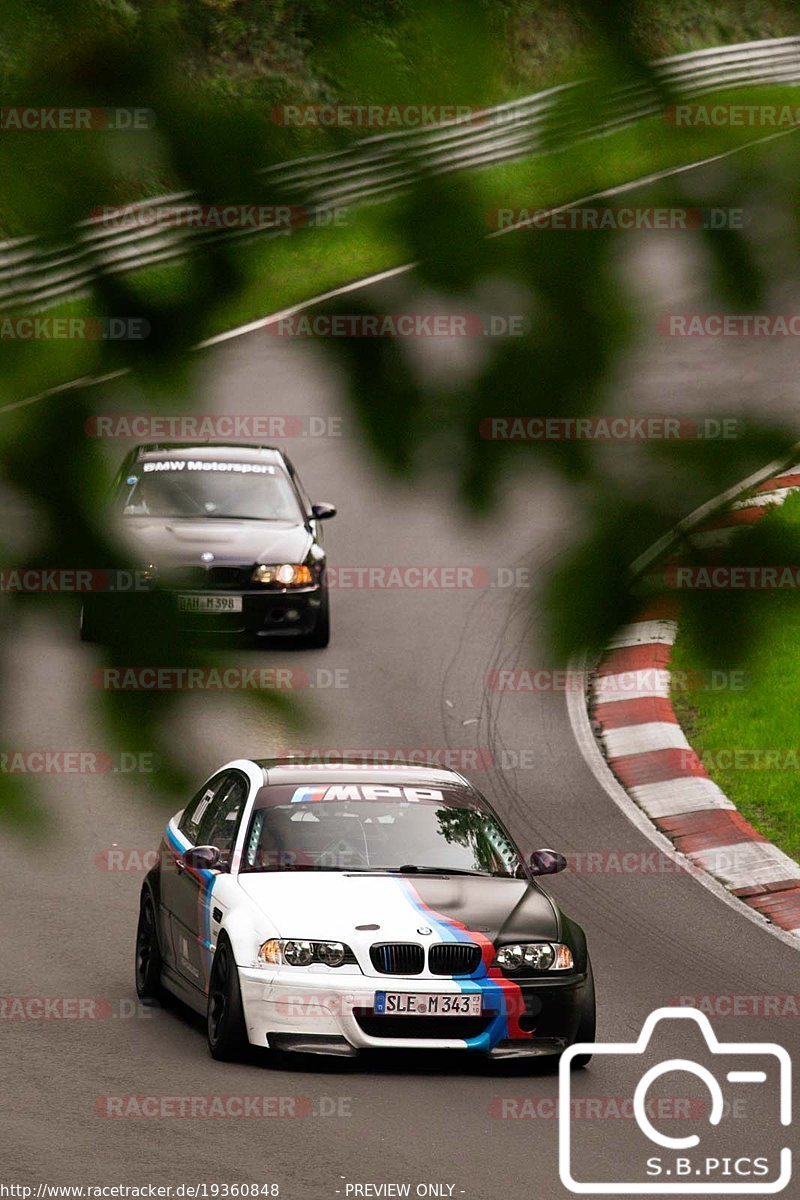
[(180, 865)]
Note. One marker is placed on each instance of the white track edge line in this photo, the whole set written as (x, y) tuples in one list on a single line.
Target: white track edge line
[(655, 177)]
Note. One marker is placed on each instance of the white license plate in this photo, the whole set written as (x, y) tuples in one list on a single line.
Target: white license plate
[(209, 604), (424, 1004)]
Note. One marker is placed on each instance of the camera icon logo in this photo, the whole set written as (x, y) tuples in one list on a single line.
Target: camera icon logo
[(759, 1072)]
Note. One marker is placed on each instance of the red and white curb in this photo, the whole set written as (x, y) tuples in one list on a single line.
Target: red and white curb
[(646, 749)]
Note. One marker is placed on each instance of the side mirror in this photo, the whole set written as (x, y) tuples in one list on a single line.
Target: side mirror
[(323, 512), (547, 862), (202, 858)]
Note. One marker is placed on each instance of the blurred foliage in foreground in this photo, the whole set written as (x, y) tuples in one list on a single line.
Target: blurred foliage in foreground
[(218, 67), (583, 313)]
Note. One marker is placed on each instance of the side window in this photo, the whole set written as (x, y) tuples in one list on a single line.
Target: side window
[(197, 808), (218, 826), (253, 853)]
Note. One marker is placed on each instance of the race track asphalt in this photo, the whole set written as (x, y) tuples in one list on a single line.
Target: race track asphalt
[(414, 664)]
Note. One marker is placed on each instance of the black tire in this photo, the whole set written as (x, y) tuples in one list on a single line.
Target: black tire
[(148, 954), (225, 1027), (320, 636), (587, 1026)]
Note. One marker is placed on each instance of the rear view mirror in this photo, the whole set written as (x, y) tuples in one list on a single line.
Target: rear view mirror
[(323, 511), (202, 858), (547, 862)]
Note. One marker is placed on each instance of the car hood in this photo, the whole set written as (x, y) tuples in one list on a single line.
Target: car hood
[(332, 905), (181, 540)]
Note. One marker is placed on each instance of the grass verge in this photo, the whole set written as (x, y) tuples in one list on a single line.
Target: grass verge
[(747, 736)]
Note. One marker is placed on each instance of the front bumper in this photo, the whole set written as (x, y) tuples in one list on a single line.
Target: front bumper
[(264, 612), (326, 1013)]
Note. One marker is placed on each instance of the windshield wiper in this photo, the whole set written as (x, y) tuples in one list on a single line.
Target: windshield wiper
[(311, 867), (201, 514), (407, 869), (414, 869)]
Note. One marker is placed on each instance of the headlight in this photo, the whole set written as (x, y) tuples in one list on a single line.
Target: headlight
[(539, 957), (282, 575), (330, 953), (535, 956), (510, 958), (298, 953)]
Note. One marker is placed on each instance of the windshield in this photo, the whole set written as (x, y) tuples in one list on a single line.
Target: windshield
[(377, 836), (185, 488)]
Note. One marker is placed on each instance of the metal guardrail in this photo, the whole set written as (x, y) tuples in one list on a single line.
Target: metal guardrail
[(34, 272)]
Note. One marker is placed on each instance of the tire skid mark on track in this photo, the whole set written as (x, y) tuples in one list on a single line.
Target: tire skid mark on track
[(597, 893)]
